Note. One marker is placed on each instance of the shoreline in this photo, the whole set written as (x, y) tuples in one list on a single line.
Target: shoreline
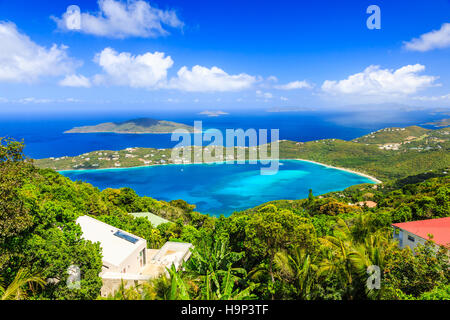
[(377, 181), (372, 178)]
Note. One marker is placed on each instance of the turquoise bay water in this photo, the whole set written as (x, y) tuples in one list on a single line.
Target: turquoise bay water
[(223, 188)]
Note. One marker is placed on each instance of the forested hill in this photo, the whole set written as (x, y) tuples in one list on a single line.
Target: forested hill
[(404, 136), (142, 125), (315, 248)]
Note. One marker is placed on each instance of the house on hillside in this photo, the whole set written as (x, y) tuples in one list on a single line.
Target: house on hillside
[(122, 251), (417, 232), (126, 257)]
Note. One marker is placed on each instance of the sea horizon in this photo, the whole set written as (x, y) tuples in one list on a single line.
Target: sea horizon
[(44, 135)]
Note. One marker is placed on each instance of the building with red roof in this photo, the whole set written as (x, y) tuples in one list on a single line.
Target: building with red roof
[(415, 232)]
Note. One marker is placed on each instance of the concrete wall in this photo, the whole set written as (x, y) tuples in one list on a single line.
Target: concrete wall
[(132, 263), (412, 244), (112, 282)]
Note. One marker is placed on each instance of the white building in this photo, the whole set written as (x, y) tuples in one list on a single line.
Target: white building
[(122, 251), (126, 257)]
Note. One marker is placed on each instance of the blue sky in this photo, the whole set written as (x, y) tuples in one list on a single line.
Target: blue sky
[(222, 55)]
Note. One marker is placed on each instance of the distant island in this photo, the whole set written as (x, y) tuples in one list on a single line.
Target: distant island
[(440, 123), (213, 113), (135, 126)]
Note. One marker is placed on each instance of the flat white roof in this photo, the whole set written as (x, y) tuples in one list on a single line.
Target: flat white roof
[(173, 253), (116, 244)]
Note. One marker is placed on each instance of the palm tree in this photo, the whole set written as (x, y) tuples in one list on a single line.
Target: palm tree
[(16, 289), (337, 253), (351, 252), (371, 253), (300, 268)]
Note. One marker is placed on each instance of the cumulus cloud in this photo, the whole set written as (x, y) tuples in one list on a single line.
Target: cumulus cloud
[(295, 85), (117, 19), (141, 71), (150, 71), (374, 81), (436, 39), (75, 80), (22, 60), (202, 79)]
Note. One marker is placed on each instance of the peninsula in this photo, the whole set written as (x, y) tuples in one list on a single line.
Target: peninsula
[(135, 126)]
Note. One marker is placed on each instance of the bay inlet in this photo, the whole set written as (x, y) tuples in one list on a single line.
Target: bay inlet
[(221, 188)]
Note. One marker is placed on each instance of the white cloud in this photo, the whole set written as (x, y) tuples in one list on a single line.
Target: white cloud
[(374, 81), (217, 113), (433, 98), (75, 80), (436, 39), (284, 99), (150, 71), (295, 85), (265, 95), (22, 60), (202, 79), (34, 100), (117, 19), (44, 100), (142, 71)]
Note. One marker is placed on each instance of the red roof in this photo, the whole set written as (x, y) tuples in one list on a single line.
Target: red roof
[(439, 228)]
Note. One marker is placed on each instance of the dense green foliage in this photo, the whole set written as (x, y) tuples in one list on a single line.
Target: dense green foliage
[(315, 248), (38, 209)]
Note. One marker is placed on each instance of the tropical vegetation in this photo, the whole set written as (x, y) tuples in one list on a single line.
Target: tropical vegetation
[(318, 248)]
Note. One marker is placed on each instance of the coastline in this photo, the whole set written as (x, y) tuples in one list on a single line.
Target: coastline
[(377, 181), (372, 178)]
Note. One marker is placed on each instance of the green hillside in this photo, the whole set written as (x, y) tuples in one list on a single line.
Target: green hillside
[(393, 135)]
